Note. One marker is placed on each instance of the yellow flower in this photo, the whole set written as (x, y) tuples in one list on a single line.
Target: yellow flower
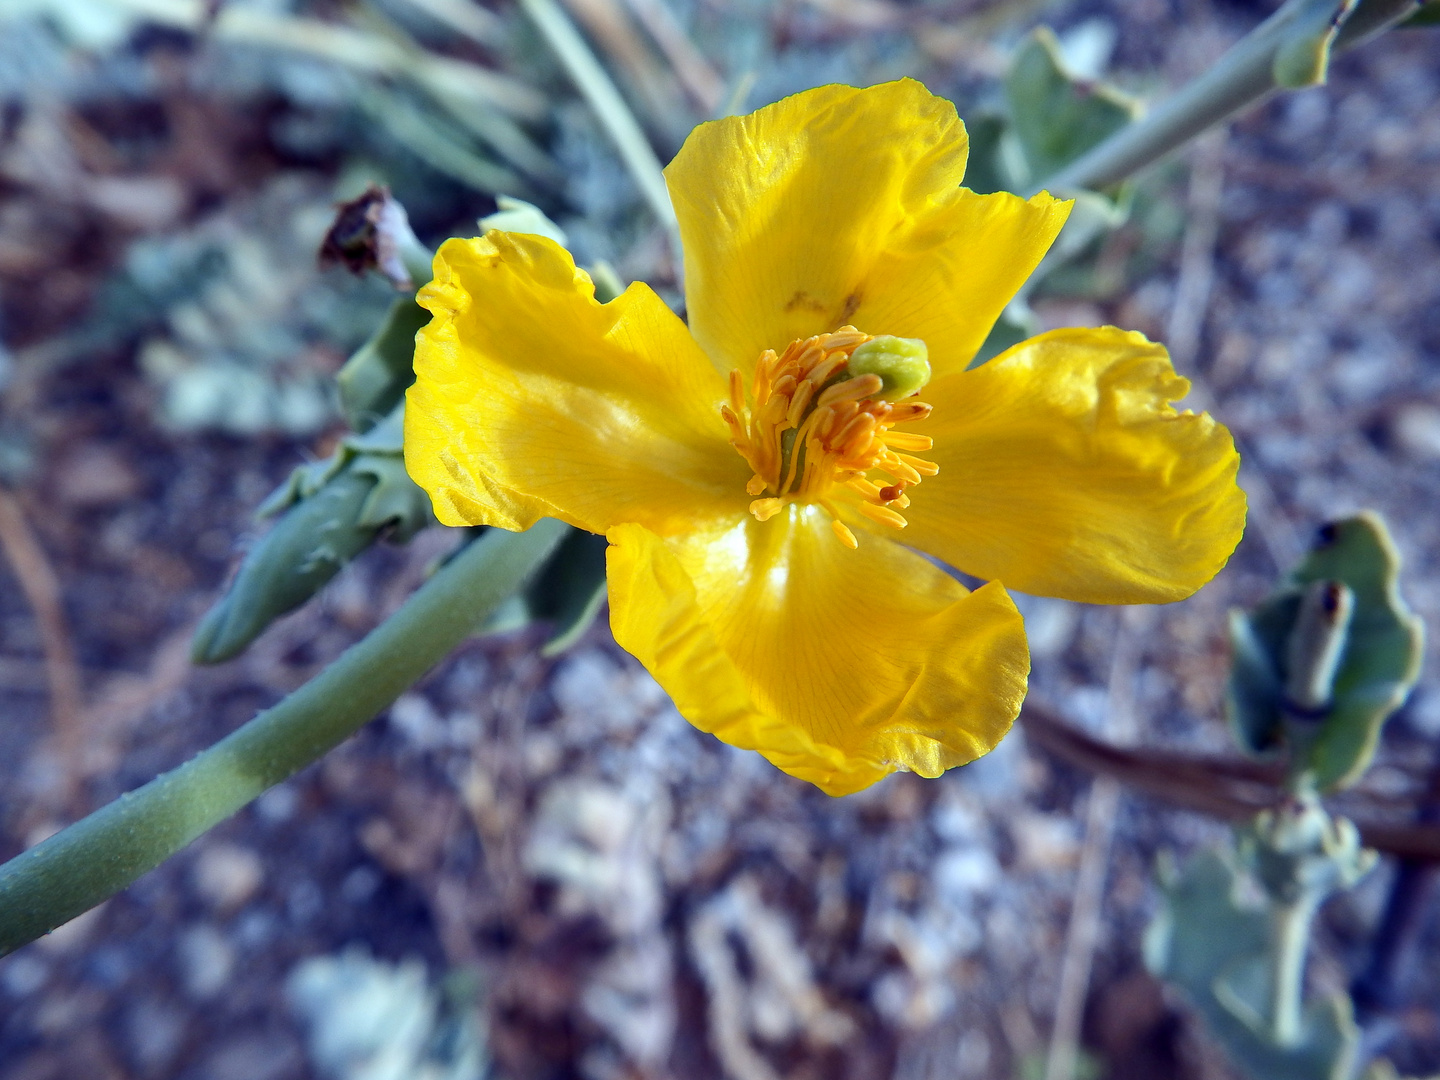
[(753, 483)]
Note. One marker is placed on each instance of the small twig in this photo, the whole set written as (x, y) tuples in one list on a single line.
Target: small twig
[(42, 591), (1083, 933)]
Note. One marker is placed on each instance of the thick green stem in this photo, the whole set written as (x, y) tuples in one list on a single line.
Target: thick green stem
[(93, 859), (1242, 77)]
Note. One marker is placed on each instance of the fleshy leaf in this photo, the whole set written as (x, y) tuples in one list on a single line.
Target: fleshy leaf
[(1055, 116), (305, 549), (1379, 664), (1303, 58), (374, 379), (1428, 15), (984, 172), (1211, 943), (518, 216), (567, 593), (330, 511)]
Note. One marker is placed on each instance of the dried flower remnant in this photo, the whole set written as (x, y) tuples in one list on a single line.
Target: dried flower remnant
[(372, 232)]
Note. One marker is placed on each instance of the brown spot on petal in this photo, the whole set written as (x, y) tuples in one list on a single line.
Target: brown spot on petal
[(803, 299)]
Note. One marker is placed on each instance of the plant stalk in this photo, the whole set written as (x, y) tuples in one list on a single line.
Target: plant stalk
[(1289, 941), (96, 857), (1242, 77)]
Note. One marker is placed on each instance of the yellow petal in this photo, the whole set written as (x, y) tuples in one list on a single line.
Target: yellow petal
[(841, 206), (533, 400), (839, 666), (1064, 471)]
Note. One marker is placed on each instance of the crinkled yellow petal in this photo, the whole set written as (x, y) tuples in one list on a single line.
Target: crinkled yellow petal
[(1064, 471), (533, 400), (839, 666), (841, 206)]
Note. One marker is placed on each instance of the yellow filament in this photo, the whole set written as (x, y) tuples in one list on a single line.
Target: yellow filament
[(883, 514), (810, 427), (905, 440), (889, 463), (920, 465)]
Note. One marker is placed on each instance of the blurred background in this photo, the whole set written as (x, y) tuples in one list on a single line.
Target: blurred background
[(534, 868)]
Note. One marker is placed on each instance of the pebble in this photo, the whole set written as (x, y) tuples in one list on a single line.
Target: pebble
[(1044, 841), (304, 902), (360, 884), (279, 804), (94, 476), (153, 1035), (1050, 625), (961, 873), (24, 974), (207, 961), (257, 1056), (418, 723), (1416, 430), (72, 934), (227, 875)]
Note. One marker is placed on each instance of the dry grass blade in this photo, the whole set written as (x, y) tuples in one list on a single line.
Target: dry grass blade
[(479, 24), (349, 47), (491, 126), (610, 108), (428, 140), (693, 71), (42, 591), (650, 83), (1083, 933)]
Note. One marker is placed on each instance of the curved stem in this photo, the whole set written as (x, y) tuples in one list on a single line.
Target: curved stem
[(1242, 77), (96, 857), (1289, 941)]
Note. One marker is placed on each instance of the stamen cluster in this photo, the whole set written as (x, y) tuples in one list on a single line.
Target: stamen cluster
[(814, 425)]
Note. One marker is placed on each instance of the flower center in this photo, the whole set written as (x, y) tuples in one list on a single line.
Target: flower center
[(821, 416)]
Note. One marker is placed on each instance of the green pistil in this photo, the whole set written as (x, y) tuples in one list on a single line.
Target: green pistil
[(903, 364)]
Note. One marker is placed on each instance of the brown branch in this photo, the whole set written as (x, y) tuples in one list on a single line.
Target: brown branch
[(1228, 788)]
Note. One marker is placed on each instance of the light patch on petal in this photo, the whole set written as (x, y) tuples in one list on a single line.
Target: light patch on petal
[(1065, 471), (533, 400), (840, 205), (839, 666)]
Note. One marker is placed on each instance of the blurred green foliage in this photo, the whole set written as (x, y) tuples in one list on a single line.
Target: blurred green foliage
[(1212, 938), (1051, 117)]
